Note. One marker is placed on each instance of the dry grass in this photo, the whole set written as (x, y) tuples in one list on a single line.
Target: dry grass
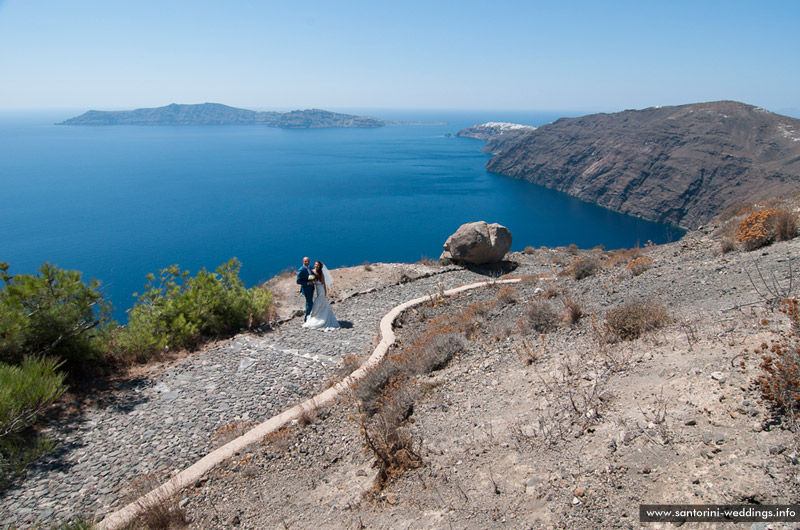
[(308, 415), (618, 258), (573, 311), (528, 353), (163, 513), (540, 317), (630, 321), (281, 440), (348, 365), (548, 290), (584, 268), (231, 431), (726, 245), (385, 434), (575, 400), (640, 265), (507, 295)]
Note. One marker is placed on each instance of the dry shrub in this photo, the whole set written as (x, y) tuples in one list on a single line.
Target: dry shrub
[(640, 265), (163, 512), (279, 440), (507, 295), (386, 435), (548, 290), (429, 352), (430, 262), (780, 364), (348, 365), (573, 403), (529, 250), (765, 227), (622, 257), (231, 431), (366, 390), (573, 249), (584, 268), (426, 351), (573, 312), (367, 266), (469, 320), (308, 415), (540, 317), (528, 353), (630, 321), (727, 244)]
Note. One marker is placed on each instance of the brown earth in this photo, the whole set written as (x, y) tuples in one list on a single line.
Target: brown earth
[(553, 428)]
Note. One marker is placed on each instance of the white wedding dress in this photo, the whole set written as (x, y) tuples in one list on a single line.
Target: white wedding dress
[(321, 316)]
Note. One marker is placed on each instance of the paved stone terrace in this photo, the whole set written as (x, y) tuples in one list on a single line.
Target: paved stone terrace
[(169, 421)]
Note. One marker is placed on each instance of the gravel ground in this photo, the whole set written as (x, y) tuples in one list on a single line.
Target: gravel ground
[(167, 420), (667, 417), (499, 443)]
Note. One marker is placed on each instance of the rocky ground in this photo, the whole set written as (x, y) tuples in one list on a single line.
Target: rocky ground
[(666, 418), (165, 417), (523, 428)]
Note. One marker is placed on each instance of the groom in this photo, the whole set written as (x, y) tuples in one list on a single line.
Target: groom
[(306, 285)]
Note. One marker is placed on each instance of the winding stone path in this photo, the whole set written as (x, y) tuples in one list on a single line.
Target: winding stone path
[(169, 422)]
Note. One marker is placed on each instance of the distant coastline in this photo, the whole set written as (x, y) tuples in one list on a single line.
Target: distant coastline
[(218, 114)]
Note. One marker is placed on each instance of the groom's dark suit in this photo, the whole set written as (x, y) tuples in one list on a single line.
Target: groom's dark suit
[(306, 288)]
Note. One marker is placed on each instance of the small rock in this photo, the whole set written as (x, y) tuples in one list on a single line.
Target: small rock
[(361, 473), (580, 491), (757, 427), (777, 449), (690, 422), (719, 376)]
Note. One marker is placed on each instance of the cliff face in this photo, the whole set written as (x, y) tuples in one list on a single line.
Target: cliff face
[(216, 114), (679, 165)]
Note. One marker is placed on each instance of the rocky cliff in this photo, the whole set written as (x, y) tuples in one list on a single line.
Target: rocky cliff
[(679, 165), (216, 114)]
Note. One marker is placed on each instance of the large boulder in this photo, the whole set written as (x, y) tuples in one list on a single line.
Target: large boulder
[(478, 243)]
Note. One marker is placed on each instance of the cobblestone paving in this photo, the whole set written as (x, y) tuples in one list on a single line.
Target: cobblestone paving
[(169, 421)]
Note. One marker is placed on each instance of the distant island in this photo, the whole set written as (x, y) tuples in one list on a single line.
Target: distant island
[(678, 165), (217, 114)]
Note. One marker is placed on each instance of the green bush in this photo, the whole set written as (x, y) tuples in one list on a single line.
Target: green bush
[(25, 390), (178, 311), (53, 313)]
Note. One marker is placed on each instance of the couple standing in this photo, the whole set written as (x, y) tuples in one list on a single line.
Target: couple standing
[(319, 314)]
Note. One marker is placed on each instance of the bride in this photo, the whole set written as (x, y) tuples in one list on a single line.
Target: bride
[(321, 316)]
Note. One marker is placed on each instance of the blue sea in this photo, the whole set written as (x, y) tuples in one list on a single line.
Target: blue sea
[(119, 202)]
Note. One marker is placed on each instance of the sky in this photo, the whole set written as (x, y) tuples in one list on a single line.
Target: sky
[(433, 54)]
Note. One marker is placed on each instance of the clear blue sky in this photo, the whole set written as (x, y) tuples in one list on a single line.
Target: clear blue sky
[(579, 55)]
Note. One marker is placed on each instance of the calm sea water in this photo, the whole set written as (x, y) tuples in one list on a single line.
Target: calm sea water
[(119, 202)]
